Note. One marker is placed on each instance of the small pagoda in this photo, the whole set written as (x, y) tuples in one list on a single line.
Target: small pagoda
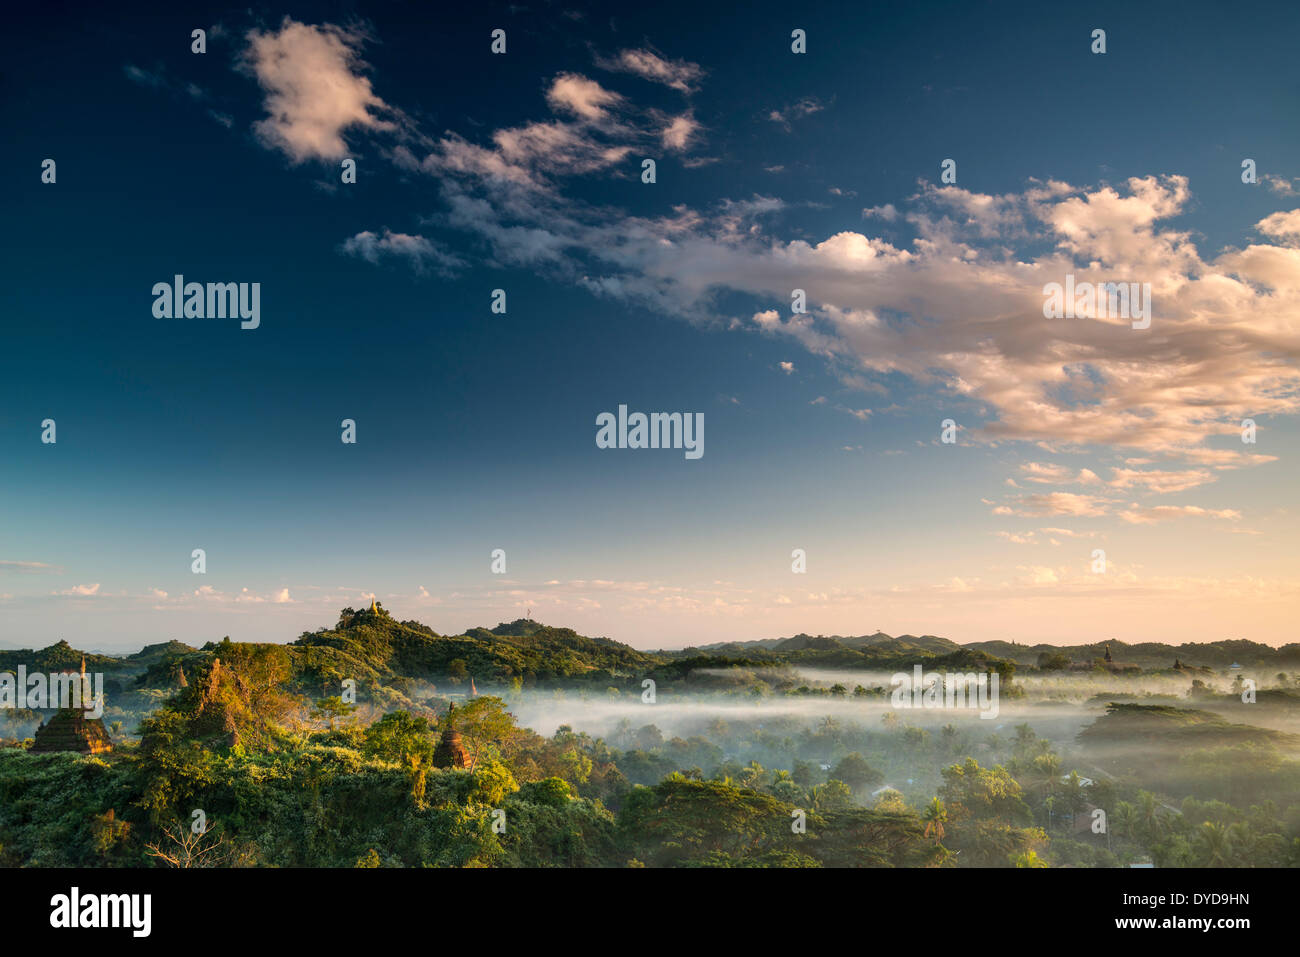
[(71, 730), (450, 753)]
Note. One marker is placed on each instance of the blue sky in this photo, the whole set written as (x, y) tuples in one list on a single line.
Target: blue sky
[(775, 171)]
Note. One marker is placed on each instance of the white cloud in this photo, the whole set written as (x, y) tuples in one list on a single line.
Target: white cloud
[(587, 99), (315, 90), (82, 590), (420, 252), (1050, 473), (1282, 225), (1280, 184), (1019, 538), (886, 212), (677, 134)]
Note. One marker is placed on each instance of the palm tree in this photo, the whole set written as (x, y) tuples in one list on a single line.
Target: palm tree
[(1215, 845), (935, 816), (1148, 812), (1241, 841), (1125, 818), (751, 775)]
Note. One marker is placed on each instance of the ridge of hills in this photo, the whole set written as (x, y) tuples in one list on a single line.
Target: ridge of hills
[(927, 644), (1150, 655), (374, 648)]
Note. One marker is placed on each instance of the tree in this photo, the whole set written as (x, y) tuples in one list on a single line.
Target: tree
[(681, 821), (854, 771), (751, 775), (484, 723), (832, 794), (1214, 845), (649, 737), (332, 708), (1124, 820), (184, 848), (802, 772), (399, 736), (873, 837), (1148, 817), (785, 787), (1053, 661), (935, 817), (970, 791)]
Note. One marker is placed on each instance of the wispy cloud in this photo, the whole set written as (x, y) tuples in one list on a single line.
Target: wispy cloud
[(417, 251), (1055, 503), (1147, 515), (679, 74), (796, 111), (21, 568)]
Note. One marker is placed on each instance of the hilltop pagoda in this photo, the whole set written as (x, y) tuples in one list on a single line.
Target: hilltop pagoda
[(71, 730)]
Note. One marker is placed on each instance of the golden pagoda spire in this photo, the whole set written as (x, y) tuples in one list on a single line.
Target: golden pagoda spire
[(373, 609)]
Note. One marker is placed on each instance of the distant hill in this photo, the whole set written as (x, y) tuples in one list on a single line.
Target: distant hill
[(1155, 655), (59, 656), (163, 651), (881, 642), (1150, 656)]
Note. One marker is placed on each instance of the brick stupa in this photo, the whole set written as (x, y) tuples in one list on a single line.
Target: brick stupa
[(71, 730)]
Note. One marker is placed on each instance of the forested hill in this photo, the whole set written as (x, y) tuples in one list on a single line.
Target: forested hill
[(375, 643), (924, 645), (880, 647), (1154, 654), (377, 651), (61, 656)]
